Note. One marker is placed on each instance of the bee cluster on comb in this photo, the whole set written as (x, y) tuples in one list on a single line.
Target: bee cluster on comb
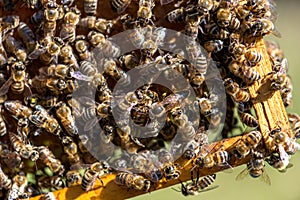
[(98, 88)]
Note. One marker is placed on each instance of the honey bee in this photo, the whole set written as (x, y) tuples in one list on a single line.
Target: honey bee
[(285, 144), (55, 85), (170, 169), (107, 47), (218, 158), (70, 148), (67, 120), (101, 25), (49, 53), (59, 70), (253, 57), (47, 157), (233, 89), (248, 74), (278, 163), (51, 14), (213, 46), (4, 180), (28, 37), (17, 190), (197, 185), (119, 6), (49, 196), (3, 129), (25, 150), (17, 109), (37, 18), (15, 47), (176, 16), (67, 56), (280, 79), (246, 118), (73, 177), (18, 75), (248, 141), (263, 27), (42, 119), (224, 17), (90, 7), (94, 172), (82, 48), (128, 61), (133, 181), (255, 168), (294, 119), (55, 182), (144, 13)]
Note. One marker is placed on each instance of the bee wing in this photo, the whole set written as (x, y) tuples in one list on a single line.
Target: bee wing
[(229, 169), (243, 174), (123, 8), (164, 2), (87, 101), (210, 188), (80, 76), (5, 87), (91, 123), (265, 177), (276, 32), (36, 53)]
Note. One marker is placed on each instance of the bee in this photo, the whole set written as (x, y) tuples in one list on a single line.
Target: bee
[(218, 158), (17, 190), (248, 141), (133, 181), (255, 168), (3, 129), (47, 157), (101, 25), (4, 180), (90, 7), (263, 27), (60, 70), (37, 18), (224, 17), (18, 75), (236, 49), (70, 148), (28, 37), (67, 57), (82, 48), (94, 172), (49, 53), (107, 47), (51, 14), (144, 13), (26, 151), (119, 5), (170, 169), (15, 47), (245, 117), (253, 57), (197, 185), (49, 196), (294, 119), (279, 79), (55, 182), (55, 85), (248, 74), (281, 164), (213, 46), (17, 109), (42, 119), (96, 39), (176, 16), (233, 89), (128, 61), (206, 5), (73, 177), (67, 120)]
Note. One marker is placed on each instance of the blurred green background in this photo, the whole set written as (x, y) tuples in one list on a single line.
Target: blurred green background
[(285, 186)]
